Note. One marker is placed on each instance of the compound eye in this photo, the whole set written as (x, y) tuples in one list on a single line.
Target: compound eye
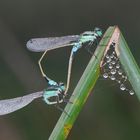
[(85, 34), (52, 99)]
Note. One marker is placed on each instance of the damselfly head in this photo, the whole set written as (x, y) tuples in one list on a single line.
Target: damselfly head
[(62, 86), (54, 94), (98, 31), (92, 34)]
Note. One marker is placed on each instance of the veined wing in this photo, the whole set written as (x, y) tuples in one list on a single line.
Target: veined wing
[(50, 43), (10, 105)]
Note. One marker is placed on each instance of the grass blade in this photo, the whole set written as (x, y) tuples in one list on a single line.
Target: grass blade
[(91, 74), (82, 90), (129, 64)]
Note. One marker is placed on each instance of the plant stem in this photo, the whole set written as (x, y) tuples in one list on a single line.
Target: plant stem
[(82, 91), (129, 64)]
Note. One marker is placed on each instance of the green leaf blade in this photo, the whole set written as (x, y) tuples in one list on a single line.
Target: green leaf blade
[(82, 91)]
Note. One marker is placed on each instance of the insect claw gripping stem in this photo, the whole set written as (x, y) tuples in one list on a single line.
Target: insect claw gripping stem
[(67, 101), (91, 53), (61, 109)]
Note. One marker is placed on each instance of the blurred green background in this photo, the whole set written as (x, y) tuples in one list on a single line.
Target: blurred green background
[(109, 113)]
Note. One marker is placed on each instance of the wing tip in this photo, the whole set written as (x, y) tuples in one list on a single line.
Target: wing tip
[(30, 45)]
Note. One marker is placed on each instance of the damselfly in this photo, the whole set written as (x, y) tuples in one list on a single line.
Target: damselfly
[(57, 91)]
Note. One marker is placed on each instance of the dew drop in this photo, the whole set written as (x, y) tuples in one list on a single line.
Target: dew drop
[(119, 81), (131, 92), (113, 71), (113, 62), (108, 60), (120, 72), (111, 56), (122, 87), (110, 66), (107, 56), (113, 52), (123, 76), (105, 75), (117, 66), (112, 77)]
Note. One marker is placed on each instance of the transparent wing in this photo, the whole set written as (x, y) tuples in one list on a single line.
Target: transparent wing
[(10, 105), (43, 44)]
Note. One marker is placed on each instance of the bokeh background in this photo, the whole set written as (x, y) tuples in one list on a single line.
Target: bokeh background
[(109, 114)]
